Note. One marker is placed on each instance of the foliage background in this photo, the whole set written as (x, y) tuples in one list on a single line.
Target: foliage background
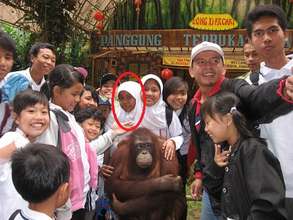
[(55, 26), (158, 14)]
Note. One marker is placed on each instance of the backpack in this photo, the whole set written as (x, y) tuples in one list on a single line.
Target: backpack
[(69, 144)]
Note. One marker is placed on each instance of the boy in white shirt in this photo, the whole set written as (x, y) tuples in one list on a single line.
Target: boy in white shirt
[(40, 174)]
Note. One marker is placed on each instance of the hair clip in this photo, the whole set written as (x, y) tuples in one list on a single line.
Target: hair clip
[(82, 71), (233, 108)]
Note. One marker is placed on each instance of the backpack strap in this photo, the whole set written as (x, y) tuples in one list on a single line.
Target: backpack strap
[(169, 115), (63, 125), (5, 118), (14, 214)]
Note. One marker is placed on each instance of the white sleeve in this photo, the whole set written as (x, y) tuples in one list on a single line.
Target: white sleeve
[(109, 122), (175, 130), (103, 142), (50, 136)]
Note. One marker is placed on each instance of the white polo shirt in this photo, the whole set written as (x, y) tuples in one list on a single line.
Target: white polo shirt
[(29, 214)]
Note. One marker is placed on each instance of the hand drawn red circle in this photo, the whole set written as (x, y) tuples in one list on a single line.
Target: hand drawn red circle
[(123, 75)]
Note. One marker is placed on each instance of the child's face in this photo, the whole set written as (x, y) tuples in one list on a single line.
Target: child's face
[(178, 99), (126, 101), (33, 120), (86, 100), (67, 98), (91, 128), (152, 92), (6, 62), (105, 109), (107, 89), (217, 128)]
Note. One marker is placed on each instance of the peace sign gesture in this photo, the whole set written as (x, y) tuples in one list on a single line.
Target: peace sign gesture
[(221, 157)]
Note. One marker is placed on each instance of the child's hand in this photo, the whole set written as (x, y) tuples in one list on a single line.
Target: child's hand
[(196, 189), (169, 149), (7, 151), (107, 170), (221, 157), (118, 131)]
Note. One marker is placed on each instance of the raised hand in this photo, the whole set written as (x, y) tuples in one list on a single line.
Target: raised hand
[(221, 157)]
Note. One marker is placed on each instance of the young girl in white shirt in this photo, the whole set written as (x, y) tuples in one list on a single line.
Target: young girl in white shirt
[(155, 116), (65, 86), (31, 116)]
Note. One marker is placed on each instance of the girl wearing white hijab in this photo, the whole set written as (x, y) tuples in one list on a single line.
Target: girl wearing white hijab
[(155, 116), (130, 105)]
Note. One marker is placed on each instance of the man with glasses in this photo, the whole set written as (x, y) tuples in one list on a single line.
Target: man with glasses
[(208, 70), (266, 27)]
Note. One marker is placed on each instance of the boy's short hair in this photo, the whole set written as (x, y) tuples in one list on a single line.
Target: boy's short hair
[(7, 43), (87, 113), (38, 170), (265, 11), (35, 49)]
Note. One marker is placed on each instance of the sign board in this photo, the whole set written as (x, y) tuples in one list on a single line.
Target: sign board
[(213, 22), (177, 38), (183, 60)]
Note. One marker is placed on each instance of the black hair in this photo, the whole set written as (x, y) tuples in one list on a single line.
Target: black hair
[(64, 76), (265, 11), (223, 103), (35, 49), (94, 113), (171, 86), (7, 43), (38, 170), (28, 98), (91, 89)]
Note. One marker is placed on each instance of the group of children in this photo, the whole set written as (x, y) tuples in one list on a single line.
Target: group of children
[(52, 158)]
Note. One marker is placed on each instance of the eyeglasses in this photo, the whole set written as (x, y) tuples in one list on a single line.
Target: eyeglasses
[(212, 61), (261, 33)]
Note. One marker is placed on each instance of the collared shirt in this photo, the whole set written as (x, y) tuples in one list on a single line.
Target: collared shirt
[(26, 73), (29, 214), (197, 98)]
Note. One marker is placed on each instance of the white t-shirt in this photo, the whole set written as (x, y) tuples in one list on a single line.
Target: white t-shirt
[(278, 133), (10, 200)]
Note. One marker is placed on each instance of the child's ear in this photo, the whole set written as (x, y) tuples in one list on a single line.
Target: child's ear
[(15, 118), (56, 90), (62, 194), (228, 119)]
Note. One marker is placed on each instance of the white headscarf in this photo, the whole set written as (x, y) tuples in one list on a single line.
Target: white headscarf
[(133, 88), (155, 116)]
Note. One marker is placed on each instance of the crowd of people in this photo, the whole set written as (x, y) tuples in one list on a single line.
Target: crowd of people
[(58, 133)]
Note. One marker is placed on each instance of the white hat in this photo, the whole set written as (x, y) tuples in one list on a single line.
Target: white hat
[(205, 46)]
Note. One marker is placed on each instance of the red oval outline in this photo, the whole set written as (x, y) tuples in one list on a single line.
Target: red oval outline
[(123, 75)]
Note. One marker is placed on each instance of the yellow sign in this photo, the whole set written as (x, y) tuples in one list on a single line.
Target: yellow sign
[(235, 63), (213, 22), (184, 60), (176, 60)]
